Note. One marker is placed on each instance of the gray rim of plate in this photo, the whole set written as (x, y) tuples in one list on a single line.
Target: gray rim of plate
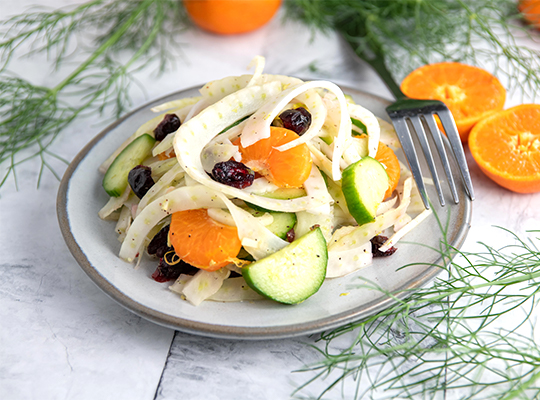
[(224, 331)]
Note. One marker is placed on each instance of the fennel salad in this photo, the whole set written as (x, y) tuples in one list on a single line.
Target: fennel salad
[(262, 187)]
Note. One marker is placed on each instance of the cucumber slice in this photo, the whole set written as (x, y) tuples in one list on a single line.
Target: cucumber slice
[(115, 180), (364, 184), (283, 222), (292, 274)]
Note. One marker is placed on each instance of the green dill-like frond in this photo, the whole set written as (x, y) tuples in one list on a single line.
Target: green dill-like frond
[(411, 33), (33, 116), (46, 31), (471, 330)]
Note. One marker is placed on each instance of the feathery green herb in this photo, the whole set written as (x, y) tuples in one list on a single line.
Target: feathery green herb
[(411, 33), (470, 330), (126, 33), (407, 33)]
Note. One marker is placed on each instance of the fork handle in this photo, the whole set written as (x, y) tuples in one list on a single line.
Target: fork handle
[(376, 60), (380, 67)]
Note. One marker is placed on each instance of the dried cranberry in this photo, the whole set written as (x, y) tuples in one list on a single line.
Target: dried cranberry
[(233, 173), (140, 180), (289, 237), (170, 267), (376, 243), (158, 244), (297, 120), (169, 124)]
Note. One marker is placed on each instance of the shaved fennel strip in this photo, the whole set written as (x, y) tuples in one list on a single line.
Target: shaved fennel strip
[(258, 126), (174, 173), (341, 263), (261, 241), (203, 285), (176, 104), (159, 168), (257, 62), (372, 125), (220, 88), (214, 153), (114, 204), (194, 135), (388, 135), (320, 160), (313, 102), (404, 230), (123, 223), (235, 289)]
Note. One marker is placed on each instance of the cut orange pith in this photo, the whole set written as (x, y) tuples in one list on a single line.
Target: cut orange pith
[(386, 157), (202, 242), (506, 146), (469, 92), (289, 168)]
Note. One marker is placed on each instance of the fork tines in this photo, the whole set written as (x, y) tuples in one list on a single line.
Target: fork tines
[(416, 115)]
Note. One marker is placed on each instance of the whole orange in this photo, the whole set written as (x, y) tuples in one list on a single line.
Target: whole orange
[(229, 17), (531, 11)]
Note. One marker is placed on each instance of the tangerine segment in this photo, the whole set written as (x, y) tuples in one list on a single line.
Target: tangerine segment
[(470, 93), (506, 146), (289, 168), (229, 17), (387, 157), (201, 241)]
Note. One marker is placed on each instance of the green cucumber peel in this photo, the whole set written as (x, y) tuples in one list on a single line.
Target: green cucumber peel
[(364, 184), (115, 180), (292, 274)]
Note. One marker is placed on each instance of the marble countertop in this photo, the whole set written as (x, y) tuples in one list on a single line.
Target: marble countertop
[(63, 338)]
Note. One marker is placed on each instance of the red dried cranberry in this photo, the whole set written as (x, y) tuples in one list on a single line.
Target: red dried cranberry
[(140, 180), (166, 271), (376, 243), (233, 173), (290, 235), (169, 124), (297, 120), (158, 244)]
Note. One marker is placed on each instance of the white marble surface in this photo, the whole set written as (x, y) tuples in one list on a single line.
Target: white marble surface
[(62, 338)]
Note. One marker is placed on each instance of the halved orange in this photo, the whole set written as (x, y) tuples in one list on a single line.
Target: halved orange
[(506, 146), (289, 168), (531, 11), (202, 242), (469, 92), (386, 157)]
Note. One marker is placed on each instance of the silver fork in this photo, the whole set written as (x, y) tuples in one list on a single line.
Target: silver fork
[(407, 113)]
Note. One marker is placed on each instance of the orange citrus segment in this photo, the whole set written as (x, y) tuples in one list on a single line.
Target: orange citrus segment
[(289, 168), (386, 157), (229, 17), (506, 146), (470, 93), (166, 155), (201, 241)]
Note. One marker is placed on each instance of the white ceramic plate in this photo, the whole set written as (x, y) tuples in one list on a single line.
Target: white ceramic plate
[(94, 245)]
